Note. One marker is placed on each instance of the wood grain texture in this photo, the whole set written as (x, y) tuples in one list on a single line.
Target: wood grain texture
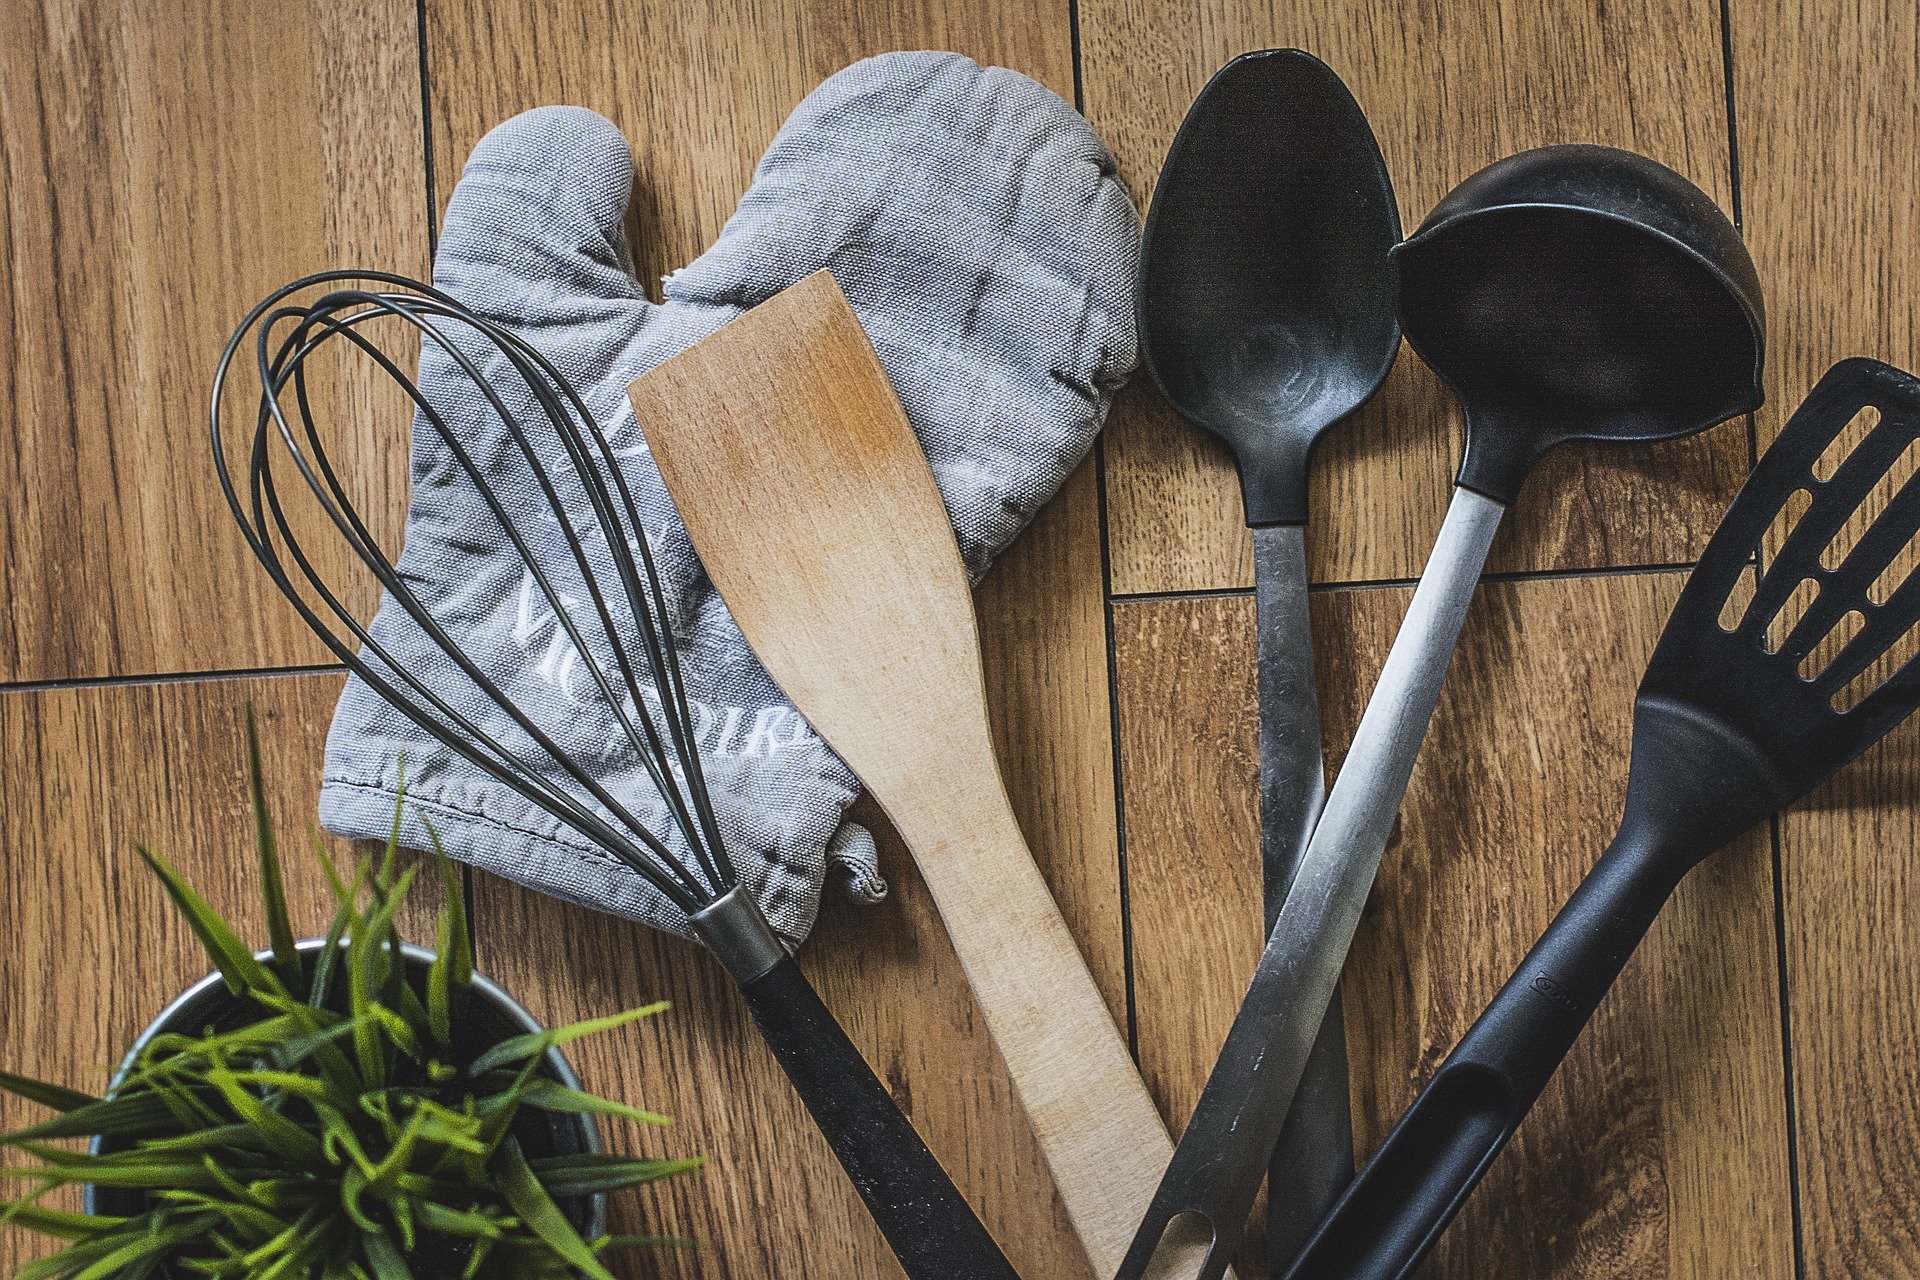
[(1449, 88), (1849, 854), (808, 499), (1042, 614), (94, 950), (165, 166), (698, 87), (1828, 109), (1660, 1148)]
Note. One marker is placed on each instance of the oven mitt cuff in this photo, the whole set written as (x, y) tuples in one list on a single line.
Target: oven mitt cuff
[(975, 224)]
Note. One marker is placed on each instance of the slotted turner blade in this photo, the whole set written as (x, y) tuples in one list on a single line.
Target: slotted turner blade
[(1756, 692), (1779, 679)]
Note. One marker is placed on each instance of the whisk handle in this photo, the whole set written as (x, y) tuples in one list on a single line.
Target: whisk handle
[(933, 1231)]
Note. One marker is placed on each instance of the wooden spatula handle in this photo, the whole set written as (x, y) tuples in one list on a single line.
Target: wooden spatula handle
[(1103, 1139)]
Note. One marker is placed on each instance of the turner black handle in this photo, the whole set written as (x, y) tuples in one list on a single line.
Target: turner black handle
[(1395, 1210), (932, 1229)]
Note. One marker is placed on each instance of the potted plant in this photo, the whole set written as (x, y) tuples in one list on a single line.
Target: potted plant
[(344, 1108)]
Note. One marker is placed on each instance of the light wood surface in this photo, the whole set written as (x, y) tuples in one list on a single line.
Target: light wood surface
[(164, 164), (1828, 100), (807, 497), (1448, 88)]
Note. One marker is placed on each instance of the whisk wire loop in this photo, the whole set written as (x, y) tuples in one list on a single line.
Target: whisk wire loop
[(671, 761)]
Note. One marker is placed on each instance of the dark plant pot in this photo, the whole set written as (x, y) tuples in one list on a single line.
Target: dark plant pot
[(493, 1016)]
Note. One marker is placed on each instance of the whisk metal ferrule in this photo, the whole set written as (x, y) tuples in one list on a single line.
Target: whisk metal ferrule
[(733, 926)]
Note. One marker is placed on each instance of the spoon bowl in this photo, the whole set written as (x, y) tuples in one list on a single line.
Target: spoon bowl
[(1266, 298), (1266, 317)]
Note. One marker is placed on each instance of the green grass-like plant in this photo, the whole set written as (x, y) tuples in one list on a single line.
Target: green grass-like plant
[(349, 1129)]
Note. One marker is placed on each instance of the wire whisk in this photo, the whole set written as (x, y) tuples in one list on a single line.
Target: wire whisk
[(276, 478)]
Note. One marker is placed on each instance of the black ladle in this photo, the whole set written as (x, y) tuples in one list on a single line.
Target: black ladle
[(1568, 293), (1266, 317)]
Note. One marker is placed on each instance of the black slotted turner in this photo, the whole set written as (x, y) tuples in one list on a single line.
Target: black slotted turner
[(1741, 712)]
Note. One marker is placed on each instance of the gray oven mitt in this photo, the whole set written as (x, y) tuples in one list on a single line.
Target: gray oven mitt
[(974, 222)]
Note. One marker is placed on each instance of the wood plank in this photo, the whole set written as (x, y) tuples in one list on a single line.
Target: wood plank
[(1660, 1148), (1449, 88), (772, 1200), (1827, 100), (1849, 854), (165, 167), (1043, 639), (699, 99), (94, 948)]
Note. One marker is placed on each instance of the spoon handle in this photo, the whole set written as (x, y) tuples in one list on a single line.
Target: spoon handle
[(1215, 1172), (1313, 1160)]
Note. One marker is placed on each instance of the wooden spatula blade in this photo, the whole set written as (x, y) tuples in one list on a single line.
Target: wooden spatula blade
[(812, 506)]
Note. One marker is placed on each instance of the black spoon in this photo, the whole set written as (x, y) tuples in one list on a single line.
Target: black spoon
[(1266, 317), (1569, 293), (1743, 710)]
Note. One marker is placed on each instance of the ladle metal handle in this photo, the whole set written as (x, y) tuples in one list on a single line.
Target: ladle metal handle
[(1215, 1172)]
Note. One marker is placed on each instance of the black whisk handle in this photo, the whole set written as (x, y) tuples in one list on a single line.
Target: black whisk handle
[(932, 1229)]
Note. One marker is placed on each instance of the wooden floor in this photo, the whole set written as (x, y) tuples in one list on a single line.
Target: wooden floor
[(1745, 1103)]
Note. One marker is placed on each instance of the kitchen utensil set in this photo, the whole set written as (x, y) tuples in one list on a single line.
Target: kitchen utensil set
[(1567, 293), (1266, 317), (1755, 694)]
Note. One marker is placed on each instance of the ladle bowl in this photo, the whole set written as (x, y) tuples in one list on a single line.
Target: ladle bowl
[(1580, 293)]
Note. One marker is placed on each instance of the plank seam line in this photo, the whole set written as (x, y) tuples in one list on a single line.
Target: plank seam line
[(1369, 584), (426, 133), (468, 893), (1113, 726), (1796, 1208), (167, 677)]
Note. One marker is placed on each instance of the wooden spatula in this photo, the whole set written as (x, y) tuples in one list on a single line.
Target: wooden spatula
[(809, 500)]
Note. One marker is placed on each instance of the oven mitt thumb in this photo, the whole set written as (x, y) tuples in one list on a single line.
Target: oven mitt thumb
[(974, 222)]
